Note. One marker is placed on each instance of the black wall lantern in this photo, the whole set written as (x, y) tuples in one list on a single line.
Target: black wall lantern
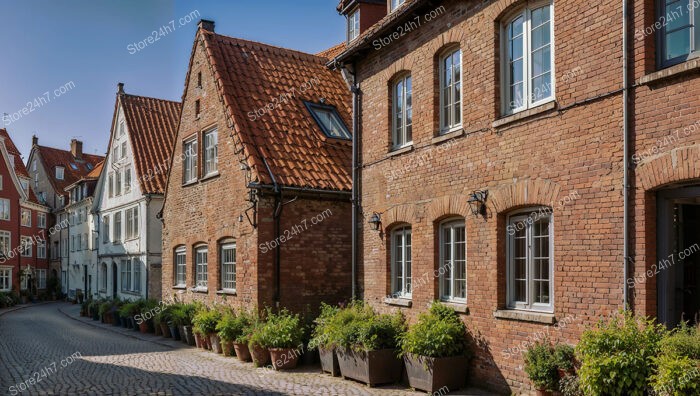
[(477, 202), (375, 221)]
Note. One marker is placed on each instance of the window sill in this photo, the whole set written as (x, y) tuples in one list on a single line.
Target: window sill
[(509, 119), (226, 292), (400, 151), (399, 302), (180, 287), (190, 183), (447, 136), (457, 307), (133, 293), (525, 316), (689, 66), (203, 290), (210, 176)]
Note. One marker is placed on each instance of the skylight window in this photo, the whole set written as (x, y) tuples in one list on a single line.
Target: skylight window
[(90, 167), (74, 166), (329, 120)]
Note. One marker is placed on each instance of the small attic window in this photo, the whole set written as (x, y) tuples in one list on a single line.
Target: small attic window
[(329, 120), (89, 167), (199, 79), (59, 172), (74, 166)]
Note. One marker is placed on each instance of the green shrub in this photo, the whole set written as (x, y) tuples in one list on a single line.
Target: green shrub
[(570, 386), (232, 327), (105, 307), (280, 330), (683, 341), (564, 355), (438, 333), (204, 322), (541, 366), (321, 335), (676, 376), (617, 357), (128, 309), (359, 328)]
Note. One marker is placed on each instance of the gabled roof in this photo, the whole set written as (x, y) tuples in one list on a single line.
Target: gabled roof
[(253, 76), (333, 51), (20, 169), (92, 176), (74, 168), (152, 127)]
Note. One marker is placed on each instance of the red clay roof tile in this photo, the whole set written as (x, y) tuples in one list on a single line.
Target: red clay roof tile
[(53, 157)]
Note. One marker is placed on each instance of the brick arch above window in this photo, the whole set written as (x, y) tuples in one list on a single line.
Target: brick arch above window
[(676, 166), (402, 214), (448, 206), (400, 67), (521, 193), (502, 8)]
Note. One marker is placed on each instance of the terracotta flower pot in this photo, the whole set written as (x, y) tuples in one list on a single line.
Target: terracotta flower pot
[(242, 352), (284, 358), (329, 362), (543, 392), (372, 368), (215, 343), (143, 327), (260, 355), (432, 374), (157, 330), (165, 331), (227, 348), (199, 340)]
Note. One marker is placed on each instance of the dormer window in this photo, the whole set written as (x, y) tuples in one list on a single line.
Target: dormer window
[(329, 120), (353, 25), (59, 172), (396, 4)]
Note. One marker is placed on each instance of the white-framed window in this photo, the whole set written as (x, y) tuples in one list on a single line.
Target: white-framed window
[(103, 277), (118, 183), (5, 242), (105, 229), (41, 249), (25, 185), (41, 279), (123, 151), (127, 180), (132, 222), (60, 172), (451, 91), (4, 209), (41, 220), (1, 184), (110, 182), (117, 234), (5, 279), (34, 166), (181, 266), (396, 3), (36, 182), (121, 128), (201, 267), (211, 152), (453, 261), (228, 266), (85, 242), (402, 110), (26, 217), (26, 246), (528, 67), (189, 167), (126, 274), (354, 24), (60, 200), (401, 262), (530, 269), (679, 36)]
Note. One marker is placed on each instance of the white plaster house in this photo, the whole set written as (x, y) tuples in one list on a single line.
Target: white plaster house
[(130, 195)]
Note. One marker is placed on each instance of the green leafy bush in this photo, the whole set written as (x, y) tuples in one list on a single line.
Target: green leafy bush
[(128, 309), (281, 330), (205, 321), (541, 366), (617, 356), (321, 335), (564, 355), (105, 307), (438, 333), (683, 341), (359, 328), (570, 386), (676, 376), (232, 327)]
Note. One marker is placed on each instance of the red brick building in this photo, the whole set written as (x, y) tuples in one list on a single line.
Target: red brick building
[(257, 209), (492, 140), (24, 226)]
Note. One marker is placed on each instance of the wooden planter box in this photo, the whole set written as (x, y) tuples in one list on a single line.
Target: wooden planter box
[(372, 368), (432, 374), (284, 358), (242, 352), (329, 362)]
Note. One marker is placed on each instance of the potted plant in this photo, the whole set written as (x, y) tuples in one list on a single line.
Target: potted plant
[(366, 344), (95, 309), (161, 319), (256, 344), (564, 359), (175, 316), (240, 343), (435, 350), (114, 310), (283, 335), (105, 313), (320, 339), (230, 328), (541, 367), (85, 308), (189, 310), (125, 313), (205, 322)]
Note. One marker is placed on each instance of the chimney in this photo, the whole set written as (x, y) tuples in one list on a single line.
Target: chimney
[(76, 148), (207, 25), (120, 88), (35, 140)]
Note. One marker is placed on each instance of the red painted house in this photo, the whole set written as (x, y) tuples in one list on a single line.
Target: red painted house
[(23, 226)]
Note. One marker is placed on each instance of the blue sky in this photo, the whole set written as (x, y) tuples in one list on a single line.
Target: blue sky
[(83, 46)]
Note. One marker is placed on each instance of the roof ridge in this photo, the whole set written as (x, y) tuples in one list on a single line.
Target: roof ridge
[(265, 46), (149, 97)]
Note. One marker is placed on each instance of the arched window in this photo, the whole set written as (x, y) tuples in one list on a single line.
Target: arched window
[(451, 90), (228, 266), (453, 261), (530, 268), (201, 254), (103, 277), (402, 112), (401, 262)]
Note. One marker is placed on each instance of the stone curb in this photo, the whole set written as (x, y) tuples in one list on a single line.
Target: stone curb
[(25, 306)]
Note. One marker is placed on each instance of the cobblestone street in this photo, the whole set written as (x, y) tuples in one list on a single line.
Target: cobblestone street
[(38, 342)]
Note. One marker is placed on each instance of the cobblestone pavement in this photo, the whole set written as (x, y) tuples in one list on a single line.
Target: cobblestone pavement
[(54, 352)]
